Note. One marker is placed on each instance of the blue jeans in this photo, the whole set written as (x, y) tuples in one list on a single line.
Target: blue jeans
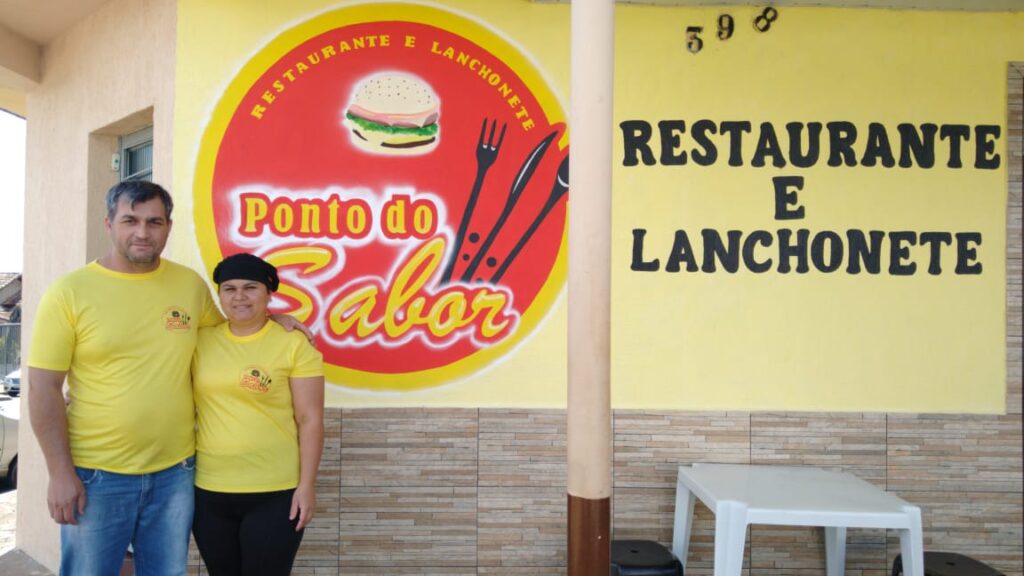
[(153, 512)]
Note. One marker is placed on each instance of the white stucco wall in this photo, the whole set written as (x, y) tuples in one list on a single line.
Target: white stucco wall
[(108, 74)]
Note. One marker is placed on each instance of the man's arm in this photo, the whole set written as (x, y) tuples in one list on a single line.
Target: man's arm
[(65, 496), (290, 323)]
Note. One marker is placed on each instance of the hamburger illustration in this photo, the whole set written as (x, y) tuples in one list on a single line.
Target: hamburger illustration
[(393, 113)]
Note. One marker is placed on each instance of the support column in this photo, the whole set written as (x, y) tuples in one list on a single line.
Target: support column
[(590, 167)]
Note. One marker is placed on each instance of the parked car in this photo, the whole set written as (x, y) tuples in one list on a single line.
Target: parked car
[(12, 383), (10, 412)]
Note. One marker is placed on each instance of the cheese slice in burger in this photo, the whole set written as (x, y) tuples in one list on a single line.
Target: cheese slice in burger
[(393, 113)]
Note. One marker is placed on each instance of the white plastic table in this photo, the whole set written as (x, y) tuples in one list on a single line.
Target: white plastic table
[(740, 495)]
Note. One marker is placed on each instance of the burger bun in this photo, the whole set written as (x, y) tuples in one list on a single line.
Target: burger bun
[(394, 114)]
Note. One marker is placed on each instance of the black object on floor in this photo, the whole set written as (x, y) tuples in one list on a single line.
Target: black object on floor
[(643, 558), (948, 564)]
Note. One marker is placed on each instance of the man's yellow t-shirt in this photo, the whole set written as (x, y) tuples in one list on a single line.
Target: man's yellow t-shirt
[(126, 342), (247, 439)]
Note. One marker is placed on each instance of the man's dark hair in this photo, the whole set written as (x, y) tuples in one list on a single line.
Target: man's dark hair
[(136, 191)]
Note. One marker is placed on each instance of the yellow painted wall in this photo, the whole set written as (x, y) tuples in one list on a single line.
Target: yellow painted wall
[(743, 340), (816, 341)]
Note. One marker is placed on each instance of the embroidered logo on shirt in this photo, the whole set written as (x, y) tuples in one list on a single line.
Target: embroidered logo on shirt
[(176, 320), (255, 379)]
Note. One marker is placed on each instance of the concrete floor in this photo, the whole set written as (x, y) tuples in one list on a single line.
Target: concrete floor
[(17, 563), (8, 506), (14, 562)]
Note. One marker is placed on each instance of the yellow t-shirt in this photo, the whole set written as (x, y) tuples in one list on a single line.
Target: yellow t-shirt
[(126, 342), (247, 439)]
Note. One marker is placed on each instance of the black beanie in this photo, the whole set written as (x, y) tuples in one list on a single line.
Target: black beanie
[(246, 267)]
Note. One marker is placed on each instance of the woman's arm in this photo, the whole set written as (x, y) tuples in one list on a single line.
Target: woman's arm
[(308, 403)]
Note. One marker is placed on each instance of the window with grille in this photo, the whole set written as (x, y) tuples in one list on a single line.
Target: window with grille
[(137, 155)]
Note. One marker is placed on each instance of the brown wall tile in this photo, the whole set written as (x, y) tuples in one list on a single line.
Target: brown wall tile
[(329, 474), (408, 526), (319, 547), (522, 448), (407, 571), (646, 514), (801, 550), (521, 527), (983, 525), (849, 442), (649, 513), (1015, 172), (409, 447), (312, 571), (195, 562), (954, 453), (508, 571), (404, 497), (650, 445)]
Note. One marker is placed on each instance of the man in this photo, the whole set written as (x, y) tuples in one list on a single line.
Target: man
[(120, 454)]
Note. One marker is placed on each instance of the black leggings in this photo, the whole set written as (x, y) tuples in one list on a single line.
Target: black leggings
[(246, 534)]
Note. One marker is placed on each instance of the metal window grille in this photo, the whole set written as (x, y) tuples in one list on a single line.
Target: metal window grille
[(137, 155)]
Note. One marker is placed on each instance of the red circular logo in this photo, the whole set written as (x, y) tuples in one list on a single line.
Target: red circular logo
[(407, 176)]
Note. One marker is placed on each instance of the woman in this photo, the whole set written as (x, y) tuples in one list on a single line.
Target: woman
[(259, 394)]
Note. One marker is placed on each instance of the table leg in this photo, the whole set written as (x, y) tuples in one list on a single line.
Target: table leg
[(912, 543), (682, 523), (730, 538), (835, 550)]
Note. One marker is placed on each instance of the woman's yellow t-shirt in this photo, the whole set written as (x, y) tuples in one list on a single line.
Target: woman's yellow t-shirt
[(247, 439)]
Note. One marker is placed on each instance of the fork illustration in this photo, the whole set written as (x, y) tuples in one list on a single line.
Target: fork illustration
[(518, 185), (486, 153)]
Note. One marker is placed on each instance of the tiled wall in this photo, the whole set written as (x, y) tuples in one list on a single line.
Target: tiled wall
[(482, 492)]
